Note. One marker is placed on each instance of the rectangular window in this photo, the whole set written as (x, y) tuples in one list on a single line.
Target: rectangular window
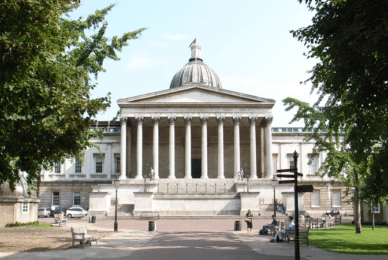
[(78, 165), (99, 164), (375, 208), (57, 167), (56, 198), (336, 199), (77, 198), (314, 164), (315, 199), (291, 160), (117, 163), (25, 207), (274, 162)]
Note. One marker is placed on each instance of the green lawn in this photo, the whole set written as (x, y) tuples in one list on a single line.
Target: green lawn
[(342, 239)]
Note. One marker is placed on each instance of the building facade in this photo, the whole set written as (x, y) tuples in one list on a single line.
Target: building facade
[(192, 149)]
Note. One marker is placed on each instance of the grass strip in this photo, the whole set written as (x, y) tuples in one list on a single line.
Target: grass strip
[(343, 239)]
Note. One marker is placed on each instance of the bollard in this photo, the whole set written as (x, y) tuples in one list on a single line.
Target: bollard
[(237, 225), (93, 219), (151, 225)]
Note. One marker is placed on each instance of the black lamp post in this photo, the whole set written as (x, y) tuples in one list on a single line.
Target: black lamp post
[(274, 182), (116, 182)]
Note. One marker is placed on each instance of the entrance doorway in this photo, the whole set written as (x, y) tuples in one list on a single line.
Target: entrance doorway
[(196, 168)]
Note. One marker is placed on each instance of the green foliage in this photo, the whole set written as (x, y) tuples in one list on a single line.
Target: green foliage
[(46, 60), (350, 118), (28, 224), (342, 239)]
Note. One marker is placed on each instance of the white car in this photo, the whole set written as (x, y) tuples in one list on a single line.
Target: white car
[(76, 211), (43, 212)]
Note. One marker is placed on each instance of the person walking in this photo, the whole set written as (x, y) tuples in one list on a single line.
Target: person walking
[(248, 219)]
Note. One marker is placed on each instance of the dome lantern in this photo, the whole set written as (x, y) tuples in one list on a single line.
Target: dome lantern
[(196, 72)]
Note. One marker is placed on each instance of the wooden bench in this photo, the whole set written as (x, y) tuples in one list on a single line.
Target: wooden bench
[(272, 229), (303, 233), (60, 220), (81, 235)]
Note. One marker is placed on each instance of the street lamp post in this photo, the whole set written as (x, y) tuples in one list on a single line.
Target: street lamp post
[(274, 182), (116, 183)]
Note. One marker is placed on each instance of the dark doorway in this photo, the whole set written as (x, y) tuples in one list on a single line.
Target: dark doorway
[(196, 168)]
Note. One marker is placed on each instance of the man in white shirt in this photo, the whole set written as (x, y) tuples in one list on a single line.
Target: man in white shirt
[(279, 235)]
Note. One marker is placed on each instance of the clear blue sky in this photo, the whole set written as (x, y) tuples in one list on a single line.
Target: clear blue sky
[(247, 43)]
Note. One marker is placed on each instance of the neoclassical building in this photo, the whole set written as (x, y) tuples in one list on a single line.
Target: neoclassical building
[(192, 149)]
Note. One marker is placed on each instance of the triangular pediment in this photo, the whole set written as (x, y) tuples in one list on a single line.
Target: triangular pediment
[(195, 94)]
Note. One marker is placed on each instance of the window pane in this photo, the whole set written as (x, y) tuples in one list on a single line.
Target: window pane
[(24, 207), (117, 164), (77, 165), (375, 208), (336, 198), (57, 167), (274, 162), (98, 164), (315, 199), (292, 163), (55, 198), (77, 198), (314, 164)]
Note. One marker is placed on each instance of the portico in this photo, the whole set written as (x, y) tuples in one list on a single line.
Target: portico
[(232, 120)]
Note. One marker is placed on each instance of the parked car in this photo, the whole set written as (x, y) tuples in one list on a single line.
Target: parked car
[(57, 210), (44, 212), (76, 211)]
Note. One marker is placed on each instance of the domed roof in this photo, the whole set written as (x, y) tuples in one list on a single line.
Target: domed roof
[(19, 192), (196, 72)]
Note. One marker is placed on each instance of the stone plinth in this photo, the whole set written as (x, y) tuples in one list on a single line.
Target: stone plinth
[(99, 203), (250, 200), (143, 202)]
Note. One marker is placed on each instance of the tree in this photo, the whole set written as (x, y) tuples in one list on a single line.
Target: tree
[(373, 189), (46, 62), (349, 39)]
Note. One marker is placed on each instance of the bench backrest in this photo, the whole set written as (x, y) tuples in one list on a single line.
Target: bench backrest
[(82, 230)]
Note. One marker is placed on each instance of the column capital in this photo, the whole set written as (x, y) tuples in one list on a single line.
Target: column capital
[(220, 119), (139, 119), (252, 120), (236, 120), (188, 119), (123, 120), (171, 119), (155, 119), (267, 121), (204, 119)]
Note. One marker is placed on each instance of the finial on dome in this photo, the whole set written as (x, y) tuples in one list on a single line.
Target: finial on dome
[(195, 51)]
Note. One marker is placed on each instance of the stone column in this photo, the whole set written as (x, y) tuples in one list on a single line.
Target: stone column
[(139, 157), (188, 148), (220, 121), (252, 121), (172, 148), (204, 174), (123, 152), (155, 150), (268, 147), (236, 121)]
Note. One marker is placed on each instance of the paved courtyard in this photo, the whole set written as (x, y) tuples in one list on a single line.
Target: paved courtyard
[(181, 239)]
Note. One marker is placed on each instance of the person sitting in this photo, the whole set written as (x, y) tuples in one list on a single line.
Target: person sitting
[(269, 226), (279, 235)]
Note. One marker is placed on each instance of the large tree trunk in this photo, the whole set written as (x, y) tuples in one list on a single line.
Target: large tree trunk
[(357, 208)]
